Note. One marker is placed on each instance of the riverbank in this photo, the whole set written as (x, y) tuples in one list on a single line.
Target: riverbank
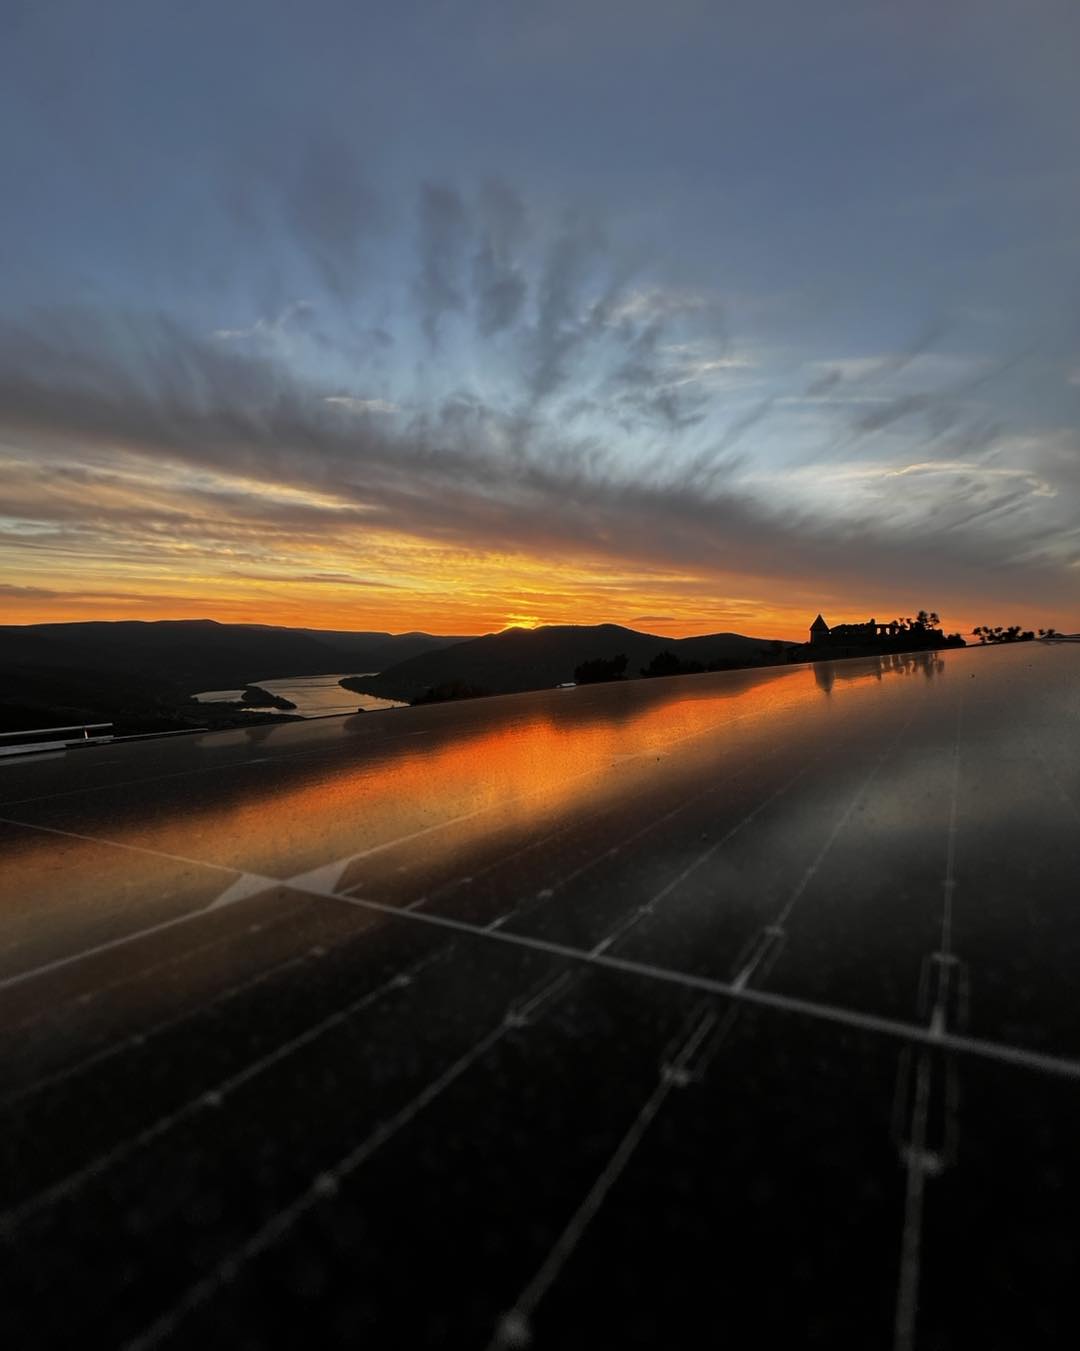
[(311, 696)]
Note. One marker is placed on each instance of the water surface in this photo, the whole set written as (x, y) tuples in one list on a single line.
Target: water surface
[(314, 696)]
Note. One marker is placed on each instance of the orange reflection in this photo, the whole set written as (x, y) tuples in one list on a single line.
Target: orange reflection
[(437, 780), (387, 804)]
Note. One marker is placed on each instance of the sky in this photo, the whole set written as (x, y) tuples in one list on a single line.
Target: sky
[(689, 316)]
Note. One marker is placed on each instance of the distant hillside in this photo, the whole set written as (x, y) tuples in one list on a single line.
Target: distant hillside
[(141, 674), (529, 659), (203, 651)]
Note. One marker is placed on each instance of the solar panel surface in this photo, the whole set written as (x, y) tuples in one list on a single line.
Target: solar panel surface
[(637, 1014)]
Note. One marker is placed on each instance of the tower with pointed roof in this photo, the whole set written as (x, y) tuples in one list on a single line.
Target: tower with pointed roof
[(819, 631)]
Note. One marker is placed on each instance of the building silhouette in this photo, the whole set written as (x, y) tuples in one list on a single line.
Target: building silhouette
[(821, 635)]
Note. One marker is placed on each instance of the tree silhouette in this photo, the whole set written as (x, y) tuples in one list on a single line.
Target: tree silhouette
[(996, 633), (924, 629), (599, 669), (666, 663)]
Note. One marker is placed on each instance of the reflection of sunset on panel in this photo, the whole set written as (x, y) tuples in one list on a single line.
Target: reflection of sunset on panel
[(414, 811), (499, 773)]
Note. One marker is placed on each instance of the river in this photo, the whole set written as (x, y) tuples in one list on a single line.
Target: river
[(314, 696)]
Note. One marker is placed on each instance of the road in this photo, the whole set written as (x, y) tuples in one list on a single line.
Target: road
[(653, 1014)]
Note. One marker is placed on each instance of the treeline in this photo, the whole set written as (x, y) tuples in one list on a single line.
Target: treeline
[(926, 625), (449, 691), (996, 633), (666, 663), (599, 670)]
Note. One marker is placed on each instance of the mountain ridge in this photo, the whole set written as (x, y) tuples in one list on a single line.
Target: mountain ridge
[(517, 659), (141, 674)]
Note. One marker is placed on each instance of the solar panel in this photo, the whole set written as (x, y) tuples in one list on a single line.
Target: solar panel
[(628, 1015)]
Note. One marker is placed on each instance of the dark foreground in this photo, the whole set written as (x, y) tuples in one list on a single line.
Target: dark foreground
[(669, 1014)]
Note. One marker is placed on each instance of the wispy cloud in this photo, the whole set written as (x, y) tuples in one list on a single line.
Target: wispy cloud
[(356, 405), (263, 328), (617, 437)]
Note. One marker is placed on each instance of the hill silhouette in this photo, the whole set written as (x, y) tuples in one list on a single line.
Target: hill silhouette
[(141, 674), (529, 659)]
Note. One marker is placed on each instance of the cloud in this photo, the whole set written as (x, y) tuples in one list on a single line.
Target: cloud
[(658, 302), (362, 405), (32, 594), (334, 579), (331, 212), (577, 255), (442, 233), (1038, 486), (710, 366), (194, 442), (498, 274), (1006, 513), (607, 440), (264, 328), (10, 592), (869, 370)]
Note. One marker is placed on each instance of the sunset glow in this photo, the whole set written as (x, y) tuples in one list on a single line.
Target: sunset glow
[(462, 367)]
